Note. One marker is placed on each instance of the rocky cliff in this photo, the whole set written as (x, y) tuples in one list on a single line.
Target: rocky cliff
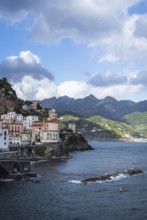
[(8, 97), (74, 142)]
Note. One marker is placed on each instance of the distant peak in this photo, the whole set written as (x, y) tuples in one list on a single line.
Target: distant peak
[(109, 98), (92, 97), (65, 98)]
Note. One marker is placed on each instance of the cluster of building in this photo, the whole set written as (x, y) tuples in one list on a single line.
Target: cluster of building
[(17, 130)]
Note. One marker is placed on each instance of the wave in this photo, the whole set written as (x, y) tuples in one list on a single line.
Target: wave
[(116, 178), (75, 181), (3, 180)]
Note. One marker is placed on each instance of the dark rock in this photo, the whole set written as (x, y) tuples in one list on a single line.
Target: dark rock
[(111, 175), (76, 142), (133, 171)]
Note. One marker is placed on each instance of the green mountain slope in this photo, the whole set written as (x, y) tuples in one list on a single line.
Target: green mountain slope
[(100, 128), (138, 120)]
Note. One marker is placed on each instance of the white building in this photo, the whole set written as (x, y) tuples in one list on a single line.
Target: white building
[(50, 133), (26, 138), (12, 115), (53, 114), (29, 120), (72, 126), (4, 138), (22, 139), (4, 116), (19, 117)]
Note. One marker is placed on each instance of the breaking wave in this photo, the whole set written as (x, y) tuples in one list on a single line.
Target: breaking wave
[(116, 178), (113, 178), (75, 181), (2, 180)]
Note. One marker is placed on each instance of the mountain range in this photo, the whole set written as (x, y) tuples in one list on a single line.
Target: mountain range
[(105, 118), (108, 107)]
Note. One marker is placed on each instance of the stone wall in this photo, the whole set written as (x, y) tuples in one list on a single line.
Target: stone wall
[(8, 155)]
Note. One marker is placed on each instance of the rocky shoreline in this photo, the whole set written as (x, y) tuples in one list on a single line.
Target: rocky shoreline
[(61, 150), (53, 151)]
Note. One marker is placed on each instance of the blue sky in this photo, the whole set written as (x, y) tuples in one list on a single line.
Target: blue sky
[(74, 48)]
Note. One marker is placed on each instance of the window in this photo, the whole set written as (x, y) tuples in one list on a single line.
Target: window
[(54, 136)]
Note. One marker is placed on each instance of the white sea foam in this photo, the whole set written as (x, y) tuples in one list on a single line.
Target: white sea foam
[(75, 181), (6, 180), (118, 177), (114, 178), (38, 161)]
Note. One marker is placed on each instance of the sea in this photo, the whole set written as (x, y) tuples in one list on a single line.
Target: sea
[(58, 193)]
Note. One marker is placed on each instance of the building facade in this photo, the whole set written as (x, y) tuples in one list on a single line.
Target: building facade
[(4, 138)]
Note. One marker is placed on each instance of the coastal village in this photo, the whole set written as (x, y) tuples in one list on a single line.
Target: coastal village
[(35, 137), (17, 130)]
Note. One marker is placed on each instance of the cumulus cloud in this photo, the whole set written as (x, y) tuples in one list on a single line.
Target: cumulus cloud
[(107, 79), (85, 20), (119, 92), (30, 88), (74, 89), (95, 22), (109, 28), (26, 63), (33, 89), (125, 45)]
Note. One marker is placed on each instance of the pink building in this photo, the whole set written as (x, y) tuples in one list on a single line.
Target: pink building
[(16, 127)]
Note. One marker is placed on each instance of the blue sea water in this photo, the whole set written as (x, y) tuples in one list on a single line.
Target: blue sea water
[(61, 196)]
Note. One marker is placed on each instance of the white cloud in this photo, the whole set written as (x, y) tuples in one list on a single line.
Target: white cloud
[(73, 89), (30, 88), (115, 34), (108, 58), (29, 57), (97, 23), (82, 21), (126, 45), (33, 89), (120, 92), (26, 63)]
